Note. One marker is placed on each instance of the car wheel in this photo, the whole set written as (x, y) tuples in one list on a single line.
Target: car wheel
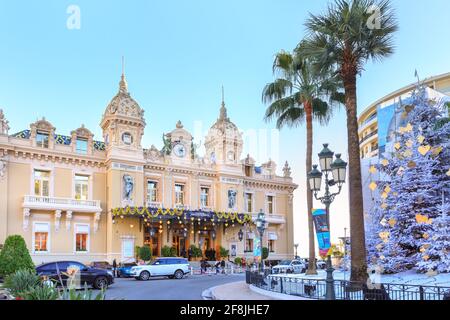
[(101, 283), (145, 275), (179, 274), (170, 277)]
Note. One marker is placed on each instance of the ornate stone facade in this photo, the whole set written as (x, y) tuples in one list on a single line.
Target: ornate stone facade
[(78, 198)]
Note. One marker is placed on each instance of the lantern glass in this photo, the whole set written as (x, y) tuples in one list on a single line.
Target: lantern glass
[(326, 158), (315, 179), (339, 168)]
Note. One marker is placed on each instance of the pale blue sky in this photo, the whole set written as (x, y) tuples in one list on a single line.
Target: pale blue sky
[(178, 54)]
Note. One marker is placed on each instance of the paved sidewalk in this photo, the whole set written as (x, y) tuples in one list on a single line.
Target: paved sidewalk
[(236, 291)]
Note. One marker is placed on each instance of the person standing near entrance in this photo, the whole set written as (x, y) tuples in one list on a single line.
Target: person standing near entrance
[(114, 265)]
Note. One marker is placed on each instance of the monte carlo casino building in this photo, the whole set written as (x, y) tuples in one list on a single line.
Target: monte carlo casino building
[(76, 198)]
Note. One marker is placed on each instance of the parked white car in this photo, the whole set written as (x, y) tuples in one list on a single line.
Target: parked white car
[(289, 266), (174, 268)]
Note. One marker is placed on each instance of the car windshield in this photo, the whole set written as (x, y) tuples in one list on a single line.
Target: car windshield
[(285, 263)]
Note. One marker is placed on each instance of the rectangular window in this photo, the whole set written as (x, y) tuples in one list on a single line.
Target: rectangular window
[(248, 245), (152, 191), (248, 202), (82, 146), (81, 238), (42, 139), (270, 204), (204, 196), (179, 194), (81, 187), (272, 245), (41, 237), (41, 183)]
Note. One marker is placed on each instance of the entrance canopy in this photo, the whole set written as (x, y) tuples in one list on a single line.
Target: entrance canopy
[(171, 214)]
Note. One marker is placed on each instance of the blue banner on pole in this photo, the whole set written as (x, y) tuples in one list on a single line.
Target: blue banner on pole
[(322, 230)]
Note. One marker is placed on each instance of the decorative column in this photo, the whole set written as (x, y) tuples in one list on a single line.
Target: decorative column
[(57, 219), (68, 219), (97, 220), (26, 217)]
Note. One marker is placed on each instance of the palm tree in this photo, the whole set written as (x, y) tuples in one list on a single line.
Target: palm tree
[(344, 39), (298, 95)]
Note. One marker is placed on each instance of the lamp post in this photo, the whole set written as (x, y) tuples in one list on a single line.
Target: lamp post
[(261, 226), (338, 169), (296, 247)]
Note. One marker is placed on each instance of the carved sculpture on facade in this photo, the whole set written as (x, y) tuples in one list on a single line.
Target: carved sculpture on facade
[(232, 199), (286, 170), (128, 187)]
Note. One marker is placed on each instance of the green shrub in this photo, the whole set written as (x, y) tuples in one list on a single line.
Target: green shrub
[(86, 294), (136, 252), (145, 253), (167, 251), (42, 292), (196, 251), (265, 253), (20, 282), (238, 261), (223, 252), (15, 256)]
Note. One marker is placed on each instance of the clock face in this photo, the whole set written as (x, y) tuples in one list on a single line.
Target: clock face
[(179, 150)]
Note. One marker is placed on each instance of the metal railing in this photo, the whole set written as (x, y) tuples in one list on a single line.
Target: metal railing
[(346, 290)]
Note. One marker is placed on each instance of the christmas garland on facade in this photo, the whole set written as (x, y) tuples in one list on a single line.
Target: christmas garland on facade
[(152, 212)]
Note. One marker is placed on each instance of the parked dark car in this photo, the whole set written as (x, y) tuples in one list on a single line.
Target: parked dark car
[(97, 278), (101, 265), (124, 270)]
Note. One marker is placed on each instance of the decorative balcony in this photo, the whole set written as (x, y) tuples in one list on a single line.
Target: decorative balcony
[(271, 218), (64, 204)]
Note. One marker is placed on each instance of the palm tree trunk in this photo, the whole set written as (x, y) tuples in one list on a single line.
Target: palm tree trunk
[(357, 234), (309, 197)]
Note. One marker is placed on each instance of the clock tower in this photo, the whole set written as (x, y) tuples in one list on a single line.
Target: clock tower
[(123, 125), (223, 143), (180, 142)]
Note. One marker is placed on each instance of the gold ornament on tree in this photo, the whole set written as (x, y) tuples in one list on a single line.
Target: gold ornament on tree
[(412, 164), (373, 170), (397, 145), (423, 150), (392, 222), (372, 186), (420, 139), (385, 162)]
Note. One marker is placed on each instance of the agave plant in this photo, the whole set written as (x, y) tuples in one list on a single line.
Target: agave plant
[(86, 294), (20, 282), (42, 292)]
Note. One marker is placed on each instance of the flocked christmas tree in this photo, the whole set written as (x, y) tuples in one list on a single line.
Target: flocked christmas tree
[(409, 225)]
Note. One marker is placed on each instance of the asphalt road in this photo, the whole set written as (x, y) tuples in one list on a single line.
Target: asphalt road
[(188, 288)]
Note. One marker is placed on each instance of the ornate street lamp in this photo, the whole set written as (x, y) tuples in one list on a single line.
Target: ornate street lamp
[(338, 169), (152, 232), (213, 235), (315, 179), (325, 158), (261, 227), (240, 235)]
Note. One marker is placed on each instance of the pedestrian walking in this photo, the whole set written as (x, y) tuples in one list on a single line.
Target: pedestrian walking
[(114, 265), (222, 265), (217, 265)]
